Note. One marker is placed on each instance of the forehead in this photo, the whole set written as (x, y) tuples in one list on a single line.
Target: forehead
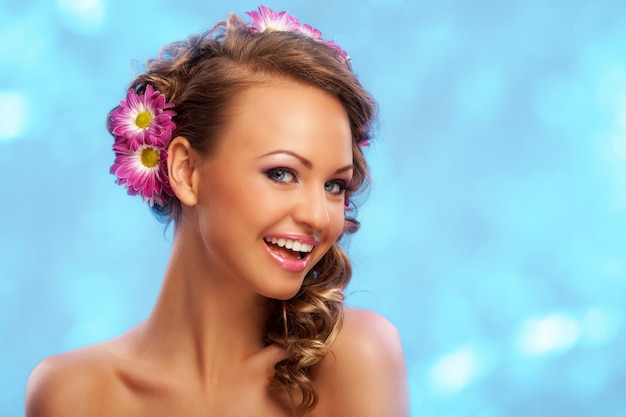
[(286, 114)]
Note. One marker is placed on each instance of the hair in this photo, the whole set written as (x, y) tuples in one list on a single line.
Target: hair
[(202, 75)]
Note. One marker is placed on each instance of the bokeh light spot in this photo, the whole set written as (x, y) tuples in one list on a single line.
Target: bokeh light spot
[(83, 16), (550, 334), (13, 112), (600, 325), (456, 370)]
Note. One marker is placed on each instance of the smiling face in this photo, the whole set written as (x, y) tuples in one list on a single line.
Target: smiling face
[(271, 195)]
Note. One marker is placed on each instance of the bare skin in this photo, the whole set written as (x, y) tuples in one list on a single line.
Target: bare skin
[(202, 351), (109, 380)]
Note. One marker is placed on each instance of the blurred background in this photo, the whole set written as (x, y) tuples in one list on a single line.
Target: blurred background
[(494, 235)]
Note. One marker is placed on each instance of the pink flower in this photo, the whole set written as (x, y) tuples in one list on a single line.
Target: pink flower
[(142, 119), (143, 171), (273, 21), (310, 31), (337, 48), (142, 127)]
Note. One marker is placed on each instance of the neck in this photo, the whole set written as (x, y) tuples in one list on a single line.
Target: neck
[(203, 322)]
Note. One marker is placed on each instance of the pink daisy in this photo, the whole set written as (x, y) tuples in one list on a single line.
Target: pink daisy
[(310, 31), (142, 171), (273, 21), (142, 119), (337, 48)]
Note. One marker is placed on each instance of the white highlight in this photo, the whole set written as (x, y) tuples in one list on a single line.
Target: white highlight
[(13, 111), (554, 333), (456, 370), (84, 16)]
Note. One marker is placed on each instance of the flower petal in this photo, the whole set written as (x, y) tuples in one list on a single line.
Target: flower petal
[(268, 20)]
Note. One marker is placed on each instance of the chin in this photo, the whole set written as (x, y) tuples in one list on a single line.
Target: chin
[(285, 293), (283, 296)]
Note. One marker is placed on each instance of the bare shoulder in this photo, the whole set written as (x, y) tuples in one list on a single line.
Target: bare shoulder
[(73, 383), (368, 340), (365, 373), (369, 332)]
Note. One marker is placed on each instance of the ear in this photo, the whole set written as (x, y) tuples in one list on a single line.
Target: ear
[(182, 171)]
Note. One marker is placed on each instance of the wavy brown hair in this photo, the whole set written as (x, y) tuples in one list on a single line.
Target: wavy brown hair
[(201, 76)]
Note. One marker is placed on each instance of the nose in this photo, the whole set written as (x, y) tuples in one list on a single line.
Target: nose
[(312, 209)]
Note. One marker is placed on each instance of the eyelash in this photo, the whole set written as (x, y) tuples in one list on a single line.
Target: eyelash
[(273, 172), (282, 172)]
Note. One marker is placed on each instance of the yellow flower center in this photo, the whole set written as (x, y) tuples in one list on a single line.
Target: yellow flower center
[(149, 157), (143, 119)]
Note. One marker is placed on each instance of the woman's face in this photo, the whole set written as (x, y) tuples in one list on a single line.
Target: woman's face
[(271, 196)]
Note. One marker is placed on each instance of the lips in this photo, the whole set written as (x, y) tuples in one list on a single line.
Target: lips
[(290, 254)]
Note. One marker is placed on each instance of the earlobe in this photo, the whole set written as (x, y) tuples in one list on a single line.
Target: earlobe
[(180, 169)]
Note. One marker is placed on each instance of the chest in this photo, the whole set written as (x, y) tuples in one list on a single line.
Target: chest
[(246, 397)]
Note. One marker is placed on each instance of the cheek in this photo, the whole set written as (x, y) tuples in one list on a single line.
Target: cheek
[(229, 196), (337, 221)]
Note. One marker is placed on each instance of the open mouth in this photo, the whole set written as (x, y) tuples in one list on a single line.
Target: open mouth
[(289, 249)]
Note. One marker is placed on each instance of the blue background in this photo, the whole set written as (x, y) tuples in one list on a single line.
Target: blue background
[(494, 235)]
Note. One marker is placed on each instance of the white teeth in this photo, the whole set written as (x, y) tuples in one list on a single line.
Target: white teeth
[(294, 245)]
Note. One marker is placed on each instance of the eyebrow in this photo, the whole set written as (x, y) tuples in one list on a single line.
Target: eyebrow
[(303, 160)]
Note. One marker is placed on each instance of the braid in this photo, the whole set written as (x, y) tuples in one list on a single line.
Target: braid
[(307, 325)]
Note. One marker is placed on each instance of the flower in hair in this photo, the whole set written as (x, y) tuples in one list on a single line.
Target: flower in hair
[(143, 172), (267, 20), (310, 31), (273, 20), (142, 127), (143, 119)]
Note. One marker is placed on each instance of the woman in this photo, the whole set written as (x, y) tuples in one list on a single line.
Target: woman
[(248, 138)]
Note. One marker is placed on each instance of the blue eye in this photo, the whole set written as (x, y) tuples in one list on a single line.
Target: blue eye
[(335, 187), (281, 175)]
